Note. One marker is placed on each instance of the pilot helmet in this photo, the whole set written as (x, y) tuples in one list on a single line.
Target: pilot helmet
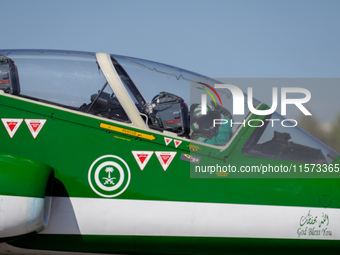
[(204, 123)]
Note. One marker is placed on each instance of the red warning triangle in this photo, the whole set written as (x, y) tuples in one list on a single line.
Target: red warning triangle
[(142, 158), (165, 158), (177, 143), (35, 125), (167, 140), (11, 125)]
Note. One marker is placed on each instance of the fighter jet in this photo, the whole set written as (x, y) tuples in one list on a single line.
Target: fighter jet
[(104, 153)]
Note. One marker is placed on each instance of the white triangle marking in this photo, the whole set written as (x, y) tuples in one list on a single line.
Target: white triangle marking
[(167, 140), (165, 158), (11, 125), (35, 125), (142, 158), (177, 143)]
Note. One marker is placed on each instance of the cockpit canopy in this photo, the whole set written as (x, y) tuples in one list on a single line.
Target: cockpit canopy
[(165, 97)]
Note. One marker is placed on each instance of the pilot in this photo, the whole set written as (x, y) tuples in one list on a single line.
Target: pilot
[(202, 126)]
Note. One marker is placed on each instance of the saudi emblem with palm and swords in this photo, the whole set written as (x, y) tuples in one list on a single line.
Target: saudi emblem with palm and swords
[(109, 176)]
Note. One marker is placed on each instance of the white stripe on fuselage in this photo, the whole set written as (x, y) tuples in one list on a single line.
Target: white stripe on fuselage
[(89, 216)]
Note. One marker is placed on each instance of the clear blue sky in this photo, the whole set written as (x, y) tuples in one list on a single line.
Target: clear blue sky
[(217, 38)]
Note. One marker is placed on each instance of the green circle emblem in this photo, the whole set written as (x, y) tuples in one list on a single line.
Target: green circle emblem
[(109, 176)]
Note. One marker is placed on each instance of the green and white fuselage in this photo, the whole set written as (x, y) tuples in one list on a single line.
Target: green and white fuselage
[(90, 164)]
